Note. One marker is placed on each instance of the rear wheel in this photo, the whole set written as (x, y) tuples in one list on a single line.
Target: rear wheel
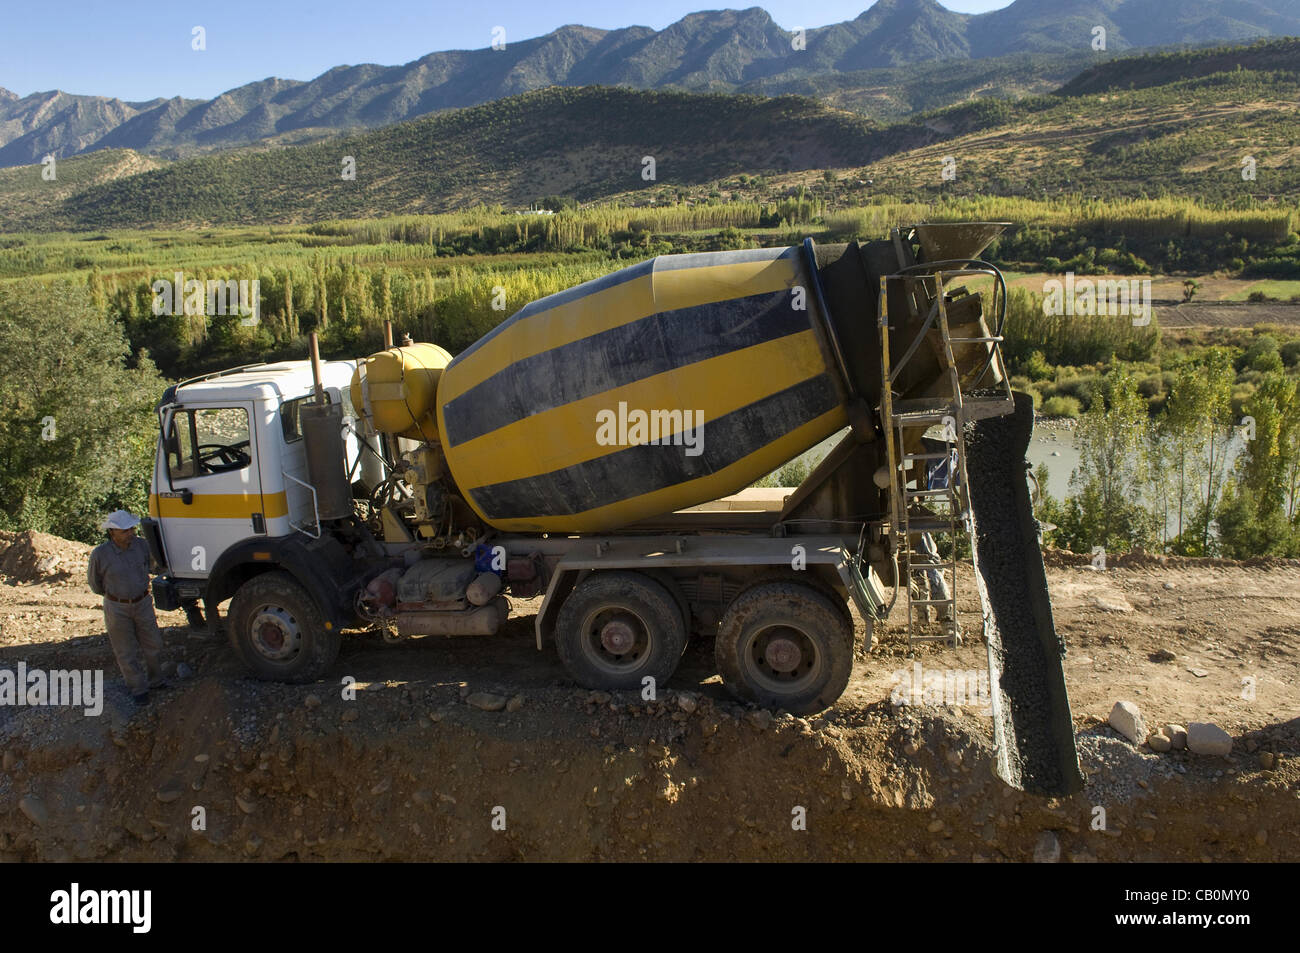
[(277, 629), (785, 645), (616, 628)]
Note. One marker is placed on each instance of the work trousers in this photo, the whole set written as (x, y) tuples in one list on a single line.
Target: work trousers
[(137, 643)]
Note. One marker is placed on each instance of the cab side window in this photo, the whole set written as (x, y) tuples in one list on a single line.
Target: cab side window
[(208, 440)]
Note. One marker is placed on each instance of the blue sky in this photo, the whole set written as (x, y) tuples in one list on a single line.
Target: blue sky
[(140, 49)]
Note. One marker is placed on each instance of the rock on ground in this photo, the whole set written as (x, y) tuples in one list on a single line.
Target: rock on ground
[(1206, 738), (1127, 720)]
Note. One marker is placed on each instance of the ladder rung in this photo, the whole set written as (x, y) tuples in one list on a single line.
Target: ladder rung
[(925, 456), (933, 602), (913, 494), (991, 339), (924, 565)]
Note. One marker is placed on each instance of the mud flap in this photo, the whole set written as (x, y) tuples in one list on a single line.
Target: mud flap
[(1032, 726)]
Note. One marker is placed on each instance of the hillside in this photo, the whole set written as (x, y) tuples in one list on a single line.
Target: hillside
[(1158, 69), (586, 143), (718, 50), (1185, 137)]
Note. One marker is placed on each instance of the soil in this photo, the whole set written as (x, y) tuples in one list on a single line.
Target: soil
[(411, 768)]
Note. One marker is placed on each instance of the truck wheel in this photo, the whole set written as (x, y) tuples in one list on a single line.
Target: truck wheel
[(785, 645), (276, 628), (616, 628)]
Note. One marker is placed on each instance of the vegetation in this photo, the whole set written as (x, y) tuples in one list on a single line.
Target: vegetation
[(78, 436)]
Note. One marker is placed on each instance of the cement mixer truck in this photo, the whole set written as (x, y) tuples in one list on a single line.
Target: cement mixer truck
[(598, 448)]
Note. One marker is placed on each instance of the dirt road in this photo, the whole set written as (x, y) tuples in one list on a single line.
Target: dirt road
[(224, 767)]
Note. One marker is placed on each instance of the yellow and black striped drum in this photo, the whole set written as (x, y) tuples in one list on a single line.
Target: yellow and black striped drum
[(668, 384)]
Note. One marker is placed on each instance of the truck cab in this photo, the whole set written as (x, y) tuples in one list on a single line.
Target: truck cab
[(230, 482)]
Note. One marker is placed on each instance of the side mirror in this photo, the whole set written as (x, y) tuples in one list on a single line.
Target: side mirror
[(187, 497)]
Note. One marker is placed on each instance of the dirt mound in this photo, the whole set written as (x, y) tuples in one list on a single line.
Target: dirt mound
[(412, 771), (29, 556)]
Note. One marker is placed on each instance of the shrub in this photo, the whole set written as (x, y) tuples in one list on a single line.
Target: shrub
[(1060, 407)]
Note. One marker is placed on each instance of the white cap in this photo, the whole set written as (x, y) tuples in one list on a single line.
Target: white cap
[(120, 519)]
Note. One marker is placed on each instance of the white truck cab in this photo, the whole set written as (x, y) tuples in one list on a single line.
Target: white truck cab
[(230, 475)]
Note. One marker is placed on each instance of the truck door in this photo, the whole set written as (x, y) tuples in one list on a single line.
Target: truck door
[(209, 492)]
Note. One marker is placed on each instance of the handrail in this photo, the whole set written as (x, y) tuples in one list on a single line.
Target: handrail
[(315, 510)]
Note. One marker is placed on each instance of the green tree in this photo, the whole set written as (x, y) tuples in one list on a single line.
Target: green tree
[(78, 434), (1216, 421), (1254, 518), (1111, 438), (1182, 438)]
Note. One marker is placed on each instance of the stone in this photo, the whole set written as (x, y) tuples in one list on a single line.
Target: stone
[(34, 809), (1111, 602), (1209, 739), (934, 826), (1176, 734), (10, 759), (1158, 742), (486, 701), (1127, 720), (1048, 848), (1163, 655), (351, 715), (687, 702), (312, 701), (183, 670), (252, 845), (245, 803), (1267, 760), (1198, 672), (515, 704), (759, 719)]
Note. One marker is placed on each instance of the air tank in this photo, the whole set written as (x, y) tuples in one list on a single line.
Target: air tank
[(396, 389), (667, 384)]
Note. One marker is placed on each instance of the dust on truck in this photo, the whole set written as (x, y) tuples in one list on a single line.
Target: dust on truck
[(594, 448)]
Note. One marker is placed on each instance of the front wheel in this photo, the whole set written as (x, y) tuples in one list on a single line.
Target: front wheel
[(277, 629), (785, 645), (617, 628)]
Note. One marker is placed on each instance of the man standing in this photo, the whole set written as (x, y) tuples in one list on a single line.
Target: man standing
[(119, 571)]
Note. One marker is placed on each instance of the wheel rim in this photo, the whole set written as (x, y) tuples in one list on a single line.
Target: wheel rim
[(781, 659), (276, 635), (615, 640)]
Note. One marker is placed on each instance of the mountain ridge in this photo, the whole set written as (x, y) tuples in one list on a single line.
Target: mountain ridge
[(707, 51)]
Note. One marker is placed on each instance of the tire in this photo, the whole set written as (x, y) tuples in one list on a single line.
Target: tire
[(271, 615), (608, 610), (807, 669)]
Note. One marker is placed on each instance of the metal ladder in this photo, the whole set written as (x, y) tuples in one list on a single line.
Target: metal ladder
[(944, 510)]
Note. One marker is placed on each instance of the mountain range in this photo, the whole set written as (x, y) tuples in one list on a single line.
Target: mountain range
[(712, 51)]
